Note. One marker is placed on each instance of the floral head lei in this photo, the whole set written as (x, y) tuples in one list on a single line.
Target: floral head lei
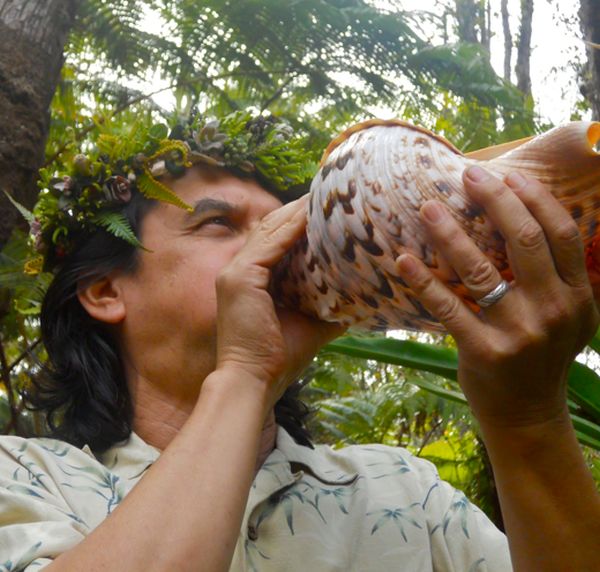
[(92, 195)]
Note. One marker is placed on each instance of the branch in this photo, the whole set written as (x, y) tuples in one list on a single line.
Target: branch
[(278, 93), (428, 437), (24, 354)]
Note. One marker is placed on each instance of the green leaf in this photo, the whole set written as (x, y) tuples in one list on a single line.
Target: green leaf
[(594, 343), (583, 383), (588, 433), (117, 224), (27, 215), (153, 189), (449, 394), (584, 388), (443, 361), (159, 131)]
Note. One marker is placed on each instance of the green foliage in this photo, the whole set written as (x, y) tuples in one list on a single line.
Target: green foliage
[(117, 224), (26, 214), (26, 291), (583, 382)]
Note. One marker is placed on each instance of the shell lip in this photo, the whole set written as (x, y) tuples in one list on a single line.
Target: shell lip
[(593, 135), (385, 123)]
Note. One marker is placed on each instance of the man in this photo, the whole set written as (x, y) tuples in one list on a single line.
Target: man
[(206, 356)]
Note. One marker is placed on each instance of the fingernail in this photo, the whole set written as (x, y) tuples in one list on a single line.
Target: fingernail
[(434, 212), (515, 180), (477, 174), (406, 264)]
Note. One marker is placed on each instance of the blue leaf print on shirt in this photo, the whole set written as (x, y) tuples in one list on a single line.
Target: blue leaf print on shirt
[(58, 449), (338, 494), (398, 516), (475, 566), (459, 508), (251, 550), (286, 500), (103, 483), (431, 489), (399, 466), (24, 560)]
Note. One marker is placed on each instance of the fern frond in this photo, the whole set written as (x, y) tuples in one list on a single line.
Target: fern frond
[(108, 144), (153, 189), (118, 225), (166, 146)]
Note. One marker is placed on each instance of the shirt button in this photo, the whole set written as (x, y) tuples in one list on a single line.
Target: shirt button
[(252, 532)]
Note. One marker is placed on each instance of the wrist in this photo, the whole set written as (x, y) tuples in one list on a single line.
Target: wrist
[(529, 436), (229, 385)]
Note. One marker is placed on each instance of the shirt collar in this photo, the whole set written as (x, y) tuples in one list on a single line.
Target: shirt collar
[(130, 458), (322, 462)]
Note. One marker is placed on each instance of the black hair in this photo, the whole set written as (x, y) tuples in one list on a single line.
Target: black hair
[(82, 389)]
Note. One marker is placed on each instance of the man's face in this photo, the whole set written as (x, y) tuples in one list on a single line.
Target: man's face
[(169, 331)]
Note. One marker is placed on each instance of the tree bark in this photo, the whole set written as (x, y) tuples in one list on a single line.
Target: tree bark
[(32, 37), (485, 24), (507, 40), (466, 18), (589, 15), (524, 48)]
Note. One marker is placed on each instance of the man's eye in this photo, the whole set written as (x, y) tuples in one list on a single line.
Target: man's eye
[(218, 220)]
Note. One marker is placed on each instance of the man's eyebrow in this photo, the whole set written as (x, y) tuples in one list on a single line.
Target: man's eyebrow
[(209, 205)]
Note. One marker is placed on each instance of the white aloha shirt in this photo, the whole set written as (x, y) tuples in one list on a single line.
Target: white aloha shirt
[(362, 508)]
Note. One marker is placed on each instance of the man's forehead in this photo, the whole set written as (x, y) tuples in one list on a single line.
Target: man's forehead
[(217, 189)]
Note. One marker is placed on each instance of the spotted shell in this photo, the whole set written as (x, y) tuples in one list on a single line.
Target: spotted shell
[(364, 212)]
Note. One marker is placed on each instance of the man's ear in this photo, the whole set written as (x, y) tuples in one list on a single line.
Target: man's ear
[(103, 299)]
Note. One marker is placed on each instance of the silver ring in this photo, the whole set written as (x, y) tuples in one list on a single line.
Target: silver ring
[(494, 296)]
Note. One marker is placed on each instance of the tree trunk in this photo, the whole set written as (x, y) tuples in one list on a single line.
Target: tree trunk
[(485, 24), (32, 37), (466, 18), (507, 40), (589, 14), (524, 48)]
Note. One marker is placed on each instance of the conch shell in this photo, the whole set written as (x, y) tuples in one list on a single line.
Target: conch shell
[(364, 213)]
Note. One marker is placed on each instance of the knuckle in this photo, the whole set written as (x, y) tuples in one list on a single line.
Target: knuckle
[(530, 235), (448, 309), (535, 190), (556, 313), (497, 189), (568, 232), (226, 278), (519, 343), (481, 275), (422, 283)]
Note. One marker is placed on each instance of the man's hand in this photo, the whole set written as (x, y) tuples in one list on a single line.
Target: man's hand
[(514, 355), (268, 344)]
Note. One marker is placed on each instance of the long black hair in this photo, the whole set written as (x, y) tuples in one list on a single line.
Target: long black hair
[(83, 389)]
